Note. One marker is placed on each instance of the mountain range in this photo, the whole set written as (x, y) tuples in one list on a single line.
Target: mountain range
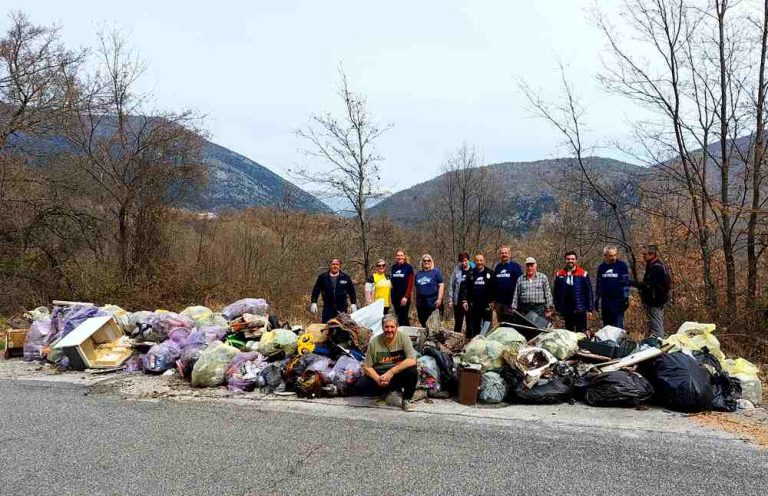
[(528, 189)]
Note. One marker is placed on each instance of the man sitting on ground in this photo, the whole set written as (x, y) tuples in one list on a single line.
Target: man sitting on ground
[(390, 364)]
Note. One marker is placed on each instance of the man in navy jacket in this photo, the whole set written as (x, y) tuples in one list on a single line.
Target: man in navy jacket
[(337, 290), (573, 294), (477, 295), (612, 288), (506, 272)]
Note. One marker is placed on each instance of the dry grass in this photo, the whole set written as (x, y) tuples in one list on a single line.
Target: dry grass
[(753, 427)]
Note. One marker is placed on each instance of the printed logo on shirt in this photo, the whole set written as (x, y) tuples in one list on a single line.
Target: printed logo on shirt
[(424, 280), (343, 281), (503, 274), (609, 273), (398, 273)]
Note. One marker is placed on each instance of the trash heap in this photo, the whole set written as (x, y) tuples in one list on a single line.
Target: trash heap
[(244, 348)]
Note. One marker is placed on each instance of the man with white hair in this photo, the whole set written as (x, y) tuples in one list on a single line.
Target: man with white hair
[(612, 288)]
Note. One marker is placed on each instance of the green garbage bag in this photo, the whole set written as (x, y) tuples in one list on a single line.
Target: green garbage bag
[(507, 337), (483, 352), (202, 316), (562, 343), (211, 367), (278, 340)]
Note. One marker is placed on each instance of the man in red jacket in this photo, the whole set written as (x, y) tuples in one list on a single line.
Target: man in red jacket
[(573, 294)]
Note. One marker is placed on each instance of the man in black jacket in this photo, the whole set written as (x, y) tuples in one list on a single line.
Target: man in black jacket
[(478, 294), (654, 290), (337, 290)]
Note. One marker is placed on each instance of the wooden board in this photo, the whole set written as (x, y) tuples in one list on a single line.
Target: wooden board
[(14, 342)]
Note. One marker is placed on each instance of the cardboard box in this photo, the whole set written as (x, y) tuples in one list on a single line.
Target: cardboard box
[(95, 344), (14, 342)]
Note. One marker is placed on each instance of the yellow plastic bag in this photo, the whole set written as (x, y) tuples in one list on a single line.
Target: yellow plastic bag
[(693, 336), (746, 373)]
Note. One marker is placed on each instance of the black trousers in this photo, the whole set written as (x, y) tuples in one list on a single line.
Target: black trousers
[(404, 381), (401, 311), (459, 318), (576, 322), (477, 314), (424, 313)]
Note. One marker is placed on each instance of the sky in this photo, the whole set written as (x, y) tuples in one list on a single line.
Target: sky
[(441, 72)]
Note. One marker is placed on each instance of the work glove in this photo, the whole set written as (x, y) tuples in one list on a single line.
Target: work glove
[(352, 308), (313, 308)]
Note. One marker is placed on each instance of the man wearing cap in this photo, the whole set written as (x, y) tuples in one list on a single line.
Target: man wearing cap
[(532, 292), (337, 290), (378, 286), (507, 272)]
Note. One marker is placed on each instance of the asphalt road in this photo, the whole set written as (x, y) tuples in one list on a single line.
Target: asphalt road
[(55, 439)]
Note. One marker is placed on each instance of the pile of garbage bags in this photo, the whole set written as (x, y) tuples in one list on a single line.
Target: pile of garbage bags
[(245, 348)]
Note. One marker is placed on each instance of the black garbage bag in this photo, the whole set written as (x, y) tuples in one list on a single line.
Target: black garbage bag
[(448, 379), (556, 389), (704, 357), (272, 374), (681, 383), (726, 390), (614, 389)]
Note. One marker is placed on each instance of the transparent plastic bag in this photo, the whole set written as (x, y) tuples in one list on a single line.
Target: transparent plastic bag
[(746, 373), (493, 388), (694, 336), (161, 357), (345, 374), (211, 367), (37, 339), (244, 371), (429, 373), (278, 340), (562, 343), (508, 337), (234, 310), (122, 317), (198, 313), (483, 352)]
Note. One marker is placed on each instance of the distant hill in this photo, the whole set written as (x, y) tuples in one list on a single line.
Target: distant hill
[(234, 181), (527, 186)]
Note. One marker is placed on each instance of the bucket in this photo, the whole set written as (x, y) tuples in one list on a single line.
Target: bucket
[(469, 385)]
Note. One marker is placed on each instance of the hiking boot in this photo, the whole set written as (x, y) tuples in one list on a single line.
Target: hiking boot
[(394, 398), (408, 406)]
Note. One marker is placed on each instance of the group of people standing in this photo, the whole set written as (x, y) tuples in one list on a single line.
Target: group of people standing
[(475, 291)]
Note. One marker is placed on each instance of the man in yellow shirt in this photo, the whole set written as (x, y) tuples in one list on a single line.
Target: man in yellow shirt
[(378, 286)]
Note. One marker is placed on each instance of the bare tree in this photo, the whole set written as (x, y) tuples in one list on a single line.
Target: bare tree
[(37, 78), (347, 144), (567, 117), (464, 210), (139, 166)]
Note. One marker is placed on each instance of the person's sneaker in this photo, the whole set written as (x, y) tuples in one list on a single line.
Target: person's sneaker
[(408, 406), (394, 398), (329, 390)]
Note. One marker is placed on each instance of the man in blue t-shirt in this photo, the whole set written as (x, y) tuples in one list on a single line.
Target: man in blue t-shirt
[(506, 274), (612, 288)]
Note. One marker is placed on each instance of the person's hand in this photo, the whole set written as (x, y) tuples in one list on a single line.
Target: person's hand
[(590, 316), (465, 306), (352, 308), (403, 301), (386, 378), (313, 308), (439, 304), (548, 313)]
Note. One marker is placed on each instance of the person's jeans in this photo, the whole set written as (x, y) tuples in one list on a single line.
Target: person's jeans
[(401, 311), (613, 313), (424, 312), (404, 381), (655, 316), (477, 315), (459, 318), (576, 322)]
